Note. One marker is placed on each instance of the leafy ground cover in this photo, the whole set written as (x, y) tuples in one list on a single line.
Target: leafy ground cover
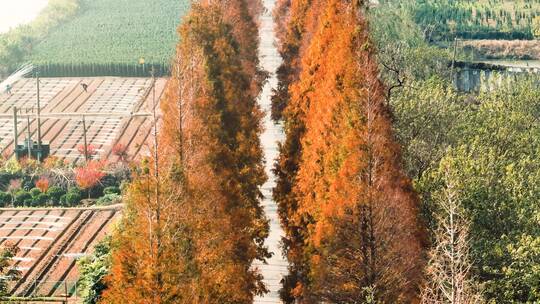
[(114, 32)]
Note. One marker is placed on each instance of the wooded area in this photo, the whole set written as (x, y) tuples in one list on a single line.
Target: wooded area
[(193, 224), (392, 185), (348, 208)]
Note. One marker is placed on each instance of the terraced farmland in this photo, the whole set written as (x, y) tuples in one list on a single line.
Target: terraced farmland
[(50, 240), (63, 101)]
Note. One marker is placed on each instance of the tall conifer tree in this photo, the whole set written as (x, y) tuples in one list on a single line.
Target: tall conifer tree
[(347, 199), (211, 226)]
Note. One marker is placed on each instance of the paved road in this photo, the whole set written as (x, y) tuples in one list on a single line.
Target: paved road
[(270, 59)]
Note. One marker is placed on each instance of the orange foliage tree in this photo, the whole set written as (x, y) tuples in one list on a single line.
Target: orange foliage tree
[(292, 32), (42, 184), (89, 175), (192, 230), (349, 211)]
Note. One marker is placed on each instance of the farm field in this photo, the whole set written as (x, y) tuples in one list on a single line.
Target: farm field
[(497, 49), (494, 19), (115, 99), (50, 240), (114, 32)]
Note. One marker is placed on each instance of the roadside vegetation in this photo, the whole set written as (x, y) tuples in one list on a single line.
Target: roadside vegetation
[(7, 272), (471, 158), (93, 269), (393, 186), (193, 224)]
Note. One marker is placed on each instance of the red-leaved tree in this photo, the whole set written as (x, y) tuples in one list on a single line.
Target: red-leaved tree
[(89, 152), (89, 175), (42, 184), (120, 151)]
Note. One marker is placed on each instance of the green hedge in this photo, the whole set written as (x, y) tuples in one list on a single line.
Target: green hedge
[(98, 70)]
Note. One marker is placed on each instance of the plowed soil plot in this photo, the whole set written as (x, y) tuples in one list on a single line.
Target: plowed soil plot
[(49, 242), (108, 102)]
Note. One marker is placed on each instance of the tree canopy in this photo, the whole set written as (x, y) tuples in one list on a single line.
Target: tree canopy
[(352, 204)]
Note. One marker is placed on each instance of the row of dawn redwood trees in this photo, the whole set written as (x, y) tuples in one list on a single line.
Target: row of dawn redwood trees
[(349, 212), (193, 224)]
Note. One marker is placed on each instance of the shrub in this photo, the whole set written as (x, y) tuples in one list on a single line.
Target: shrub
[(40, 200), (52, 162), (55, 193), (111, 190), (22, 197), (71, 198), (14, 185), (5, 179), (42, 184), (109, 199), (27, 182), (120, 151), (29, 202), (35, 192), (12, 166), (75, 190), (90, 152), (5, 199)]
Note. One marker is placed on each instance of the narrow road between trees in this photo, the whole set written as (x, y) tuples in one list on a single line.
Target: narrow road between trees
[(270, 60)]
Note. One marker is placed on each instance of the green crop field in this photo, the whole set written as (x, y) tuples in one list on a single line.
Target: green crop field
[(113, 33), (481, 19)]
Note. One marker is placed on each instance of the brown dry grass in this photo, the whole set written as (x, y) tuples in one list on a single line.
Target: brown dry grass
[(504, 49)]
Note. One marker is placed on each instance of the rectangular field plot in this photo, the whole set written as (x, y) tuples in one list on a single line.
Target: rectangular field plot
[(50, 241), (107, 102), (24, 93)]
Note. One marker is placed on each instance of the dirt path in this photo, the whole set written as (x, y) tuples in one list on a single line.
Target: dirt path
[(270, 59)]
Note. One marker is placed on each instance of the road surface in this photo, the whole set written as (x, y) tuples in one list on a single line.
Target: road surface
[(270, 60)]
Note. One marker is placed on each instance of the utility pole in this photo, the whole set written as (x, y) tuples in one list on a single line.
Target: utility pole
[(66, 291), (15, 133), (453, 60), (29, 142), (85, 140), (39, 152)]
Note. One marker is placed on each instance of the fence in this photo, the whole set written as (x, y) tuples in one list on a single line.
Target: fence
[(67, 292), (56, 289)]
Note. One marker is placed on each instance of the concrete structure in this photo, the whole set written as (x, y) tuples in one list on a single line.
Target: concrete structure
[(480, 76)]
